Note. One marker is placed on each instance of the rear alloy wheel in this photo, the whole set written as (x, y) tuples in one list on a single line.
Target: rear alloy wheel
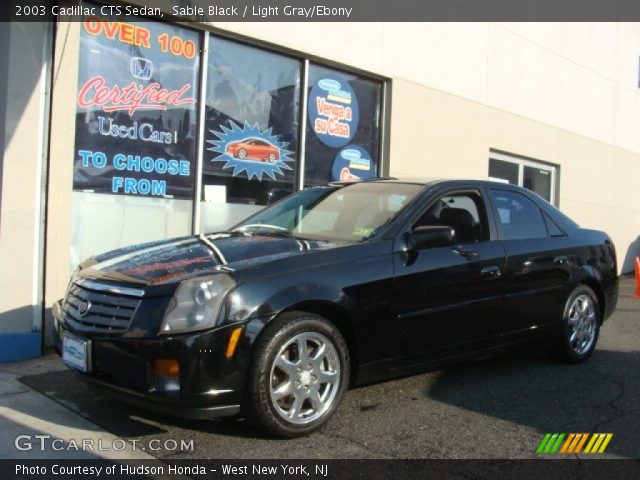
[(299, 373), (580, 325)]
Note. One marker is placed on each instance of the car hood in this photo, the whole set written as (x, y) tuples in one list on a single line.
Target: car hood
[(173, 260)]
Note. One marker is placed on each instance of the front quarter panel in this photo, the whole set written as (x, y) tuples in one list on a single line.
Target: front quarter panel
[(353, 284)]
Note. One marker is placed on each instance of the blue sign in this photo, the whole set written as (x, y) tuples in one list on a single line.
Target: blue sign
[(248, 149), (333, 111), (136, 110), (352, 163)]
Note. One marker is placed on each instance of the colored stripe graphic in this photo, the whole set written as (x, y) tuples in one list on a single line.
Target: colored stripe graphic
[(578, 448), (574, 443), (568, 443), (598, 442), (543, 443), (555, 443), (550, 443)]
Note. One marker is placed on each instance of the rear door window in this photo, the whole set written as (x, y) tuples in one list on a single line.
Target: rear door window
[(518, 217)]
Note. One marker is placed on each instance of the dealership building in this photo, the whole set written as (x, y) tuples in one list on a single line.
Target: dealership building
[(128, 131)]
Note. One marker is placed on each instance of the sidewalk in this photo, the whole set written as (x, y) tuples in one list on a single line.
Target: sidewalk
[(25, 413)]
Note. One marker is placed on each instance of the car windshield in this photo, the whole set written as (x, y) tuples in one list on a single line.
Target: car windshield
[(349, 213)]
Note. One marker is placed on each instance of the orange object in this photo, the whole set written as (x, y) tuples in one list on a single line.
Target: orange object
[(578, 447), (254, 149), (233, 342), (637, 277), (166, 368)]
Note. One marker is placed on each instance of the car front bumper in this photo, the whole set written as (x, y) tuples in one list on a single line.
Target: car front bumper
[(210, 384)]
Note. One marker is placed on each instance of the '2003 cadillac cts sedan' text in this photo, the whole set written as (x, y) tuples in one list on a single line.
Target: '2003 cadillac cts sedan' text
[(339, 285)]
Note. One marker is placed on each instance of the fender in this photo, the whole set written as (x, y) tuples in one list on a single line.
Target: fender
[(356, 295), (247, 303), (592, 277)]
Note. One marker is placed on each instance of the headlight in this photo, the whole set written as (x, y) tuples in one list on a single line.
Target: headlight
[(196, 304)]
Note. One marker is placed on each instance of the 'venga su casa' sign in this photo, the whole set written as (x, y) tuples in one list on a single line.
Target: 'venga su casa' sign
[(136, 108)]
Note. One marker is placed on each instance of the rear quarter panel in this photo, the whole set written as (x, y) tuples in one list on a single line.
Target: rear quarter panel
[(596, 265)]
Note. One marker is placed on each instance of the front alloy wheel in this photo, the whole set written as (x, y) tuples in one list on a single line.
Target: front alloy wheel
[(298, 375), (305, 376)]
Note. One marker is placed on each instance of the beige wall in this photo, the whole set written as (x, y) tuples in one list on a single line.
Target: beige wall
[(59, 204), (596, 180), (21, 218)]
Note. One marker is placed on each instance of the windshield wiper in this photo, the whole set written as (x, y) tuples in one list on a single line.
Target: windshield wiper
[(267, 233), (256, 229), (270, 234), (236, 233)]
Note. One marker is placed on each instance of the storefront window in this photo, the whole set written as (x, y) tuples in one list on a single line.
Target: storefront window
[(252, 117), (344, 121), (135, 145), (536, 176), (137, 134)]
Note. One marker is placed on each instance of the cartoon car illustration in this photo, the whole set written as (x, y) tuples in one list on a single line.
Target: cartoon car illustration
[(347, 176), (254, 149)]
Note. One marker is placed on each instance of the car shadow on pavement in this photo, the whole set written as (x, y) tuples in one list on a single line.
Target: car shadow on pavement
[(524, 388), (122, 419), (529, 388)]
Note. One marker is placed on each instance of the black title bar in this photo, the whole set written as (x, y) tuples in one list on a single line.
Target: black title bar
[(331, 10), (319, 469)]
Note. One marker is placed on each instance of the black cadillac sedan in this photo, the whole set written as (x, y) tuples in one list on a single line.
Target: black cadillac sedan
[(339, 285)]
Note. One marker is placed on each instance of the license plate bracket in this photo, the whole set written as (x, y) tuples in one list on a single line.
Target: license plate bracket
[(76, 352)]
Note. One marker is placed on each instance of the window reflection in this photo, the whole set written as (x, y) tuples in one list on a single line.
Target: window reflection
[(252, 122), (342, 146)]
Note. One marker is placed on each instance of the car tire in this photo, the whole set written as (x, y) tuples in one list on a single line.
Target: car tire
[(272, 158), (242, 154), (580, 327), (290, 394)]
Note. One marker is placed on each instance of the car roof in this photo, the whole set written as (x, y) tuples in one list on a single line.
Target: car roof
[(433, 181)]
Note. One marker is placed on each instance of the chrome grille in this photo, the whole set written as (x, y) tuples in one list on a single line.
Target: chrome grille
[(106, 312)]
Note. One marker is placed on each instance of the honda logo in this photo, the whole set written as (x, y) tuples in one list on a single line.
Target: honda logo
[(141, 68)]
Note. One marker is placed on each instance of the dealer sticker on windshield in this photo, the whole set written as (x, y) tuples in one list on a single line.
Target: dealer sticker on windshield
[(75, 352)]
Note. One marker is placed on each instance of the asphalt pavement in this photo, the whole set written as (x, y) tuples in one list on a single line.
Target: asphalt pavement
[(495, 408)]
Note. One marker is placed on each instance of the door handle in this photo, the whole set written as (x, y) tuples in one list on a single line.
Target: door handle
[(466, 252), (561, 260), (491, 273)]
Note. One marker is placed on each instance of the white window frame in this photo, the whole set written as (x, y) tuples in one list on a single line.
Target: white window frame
[(525, 162)]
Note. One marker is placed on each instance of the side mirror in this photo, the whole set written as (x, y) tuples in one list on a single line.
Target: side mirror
[(277, 194), (430, 236)]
